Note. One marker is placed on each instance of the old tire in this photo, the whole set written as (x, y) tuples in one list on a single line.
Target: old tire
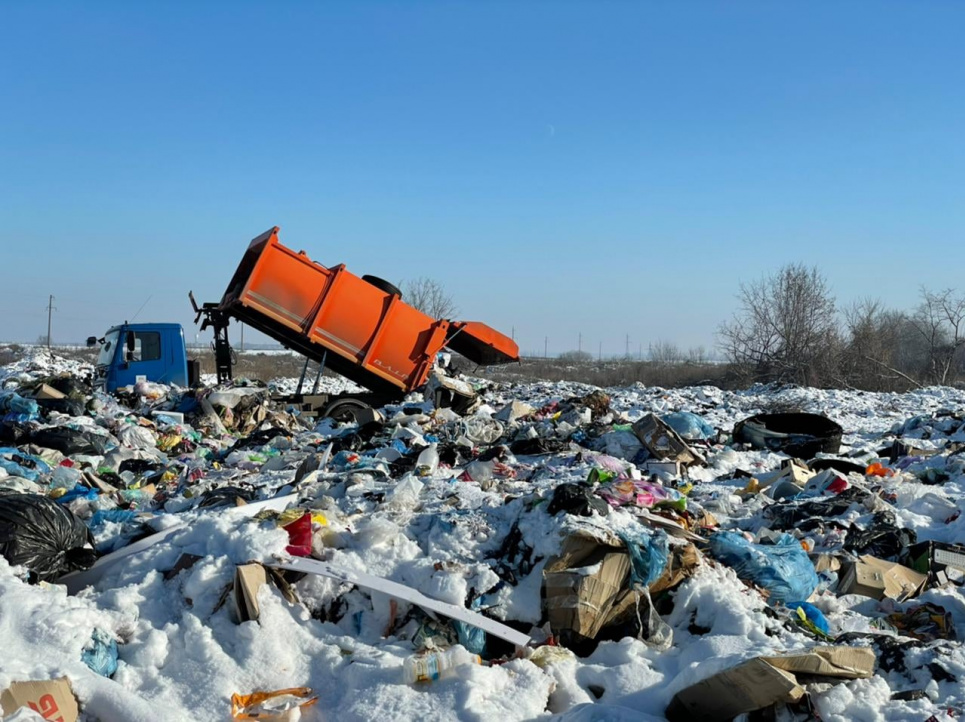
[(346, 411), (383, 285)]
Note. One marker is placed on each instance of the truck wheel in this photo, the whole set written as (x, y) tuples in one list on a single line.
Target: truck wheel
[(349, 411), (383, 285)]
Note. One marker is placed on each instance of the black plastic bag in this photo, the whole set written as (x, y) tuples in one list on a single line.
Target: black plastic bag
[(226, 496), (43, 536), (70, 441), (577, 499), (881, 539)]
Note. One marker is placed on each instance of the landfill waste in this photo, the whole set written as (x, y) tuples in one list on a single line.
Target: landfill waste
[(796, 434), (43, 536), (432, 665), (276, 706), (525, 545)]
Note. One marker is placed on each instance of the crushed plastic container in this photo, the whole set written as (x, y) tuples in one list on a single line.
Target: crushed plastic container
[(430, 666)]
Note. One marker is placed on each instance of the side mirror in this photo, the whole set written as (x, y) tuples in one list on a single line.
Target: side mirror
[(91, 341), (130, 341)]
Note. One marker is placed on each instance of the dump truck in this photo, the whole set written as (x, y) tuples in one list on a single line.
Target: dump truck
[(356, 326)]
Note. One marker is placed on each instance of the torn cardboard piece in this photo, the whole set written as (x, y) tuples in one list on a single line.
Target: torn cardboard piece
[(765, 681), (792, 470), (665, 443), (876, 578), (408, 594), (52, 699), (249, 578)]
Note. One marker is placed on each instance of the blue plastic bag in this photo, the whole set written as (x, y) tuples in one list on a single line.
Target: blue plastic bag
[(689, 426), (16, 463), (649, 554), (78, 492), (470, 637), (14, 403), (784, 568), (101, 653), (116, 515), (813, 614)]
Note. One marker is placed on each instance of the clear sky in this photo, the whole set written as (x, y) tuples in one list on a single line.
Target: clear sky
[(608, 168)]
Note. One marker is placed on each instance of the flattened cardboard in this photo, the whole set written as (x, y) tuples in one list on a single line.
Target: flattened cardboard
[(249, 578), (52, 699), (844, 662), (664, 443), (764, 681), (747, 687), (878, 579)]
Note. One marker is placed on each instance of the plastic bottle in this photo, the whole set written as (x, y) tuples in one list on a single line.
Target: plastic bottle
[(428, 461), (430, 666)]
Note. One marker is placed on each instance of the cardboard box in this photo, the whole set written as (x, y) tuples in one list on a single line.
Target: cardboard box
[(52, 699), (673, 468), (878, 579), (765, 681), (582, 585), (664, 443), (48, 392), (249, 578)]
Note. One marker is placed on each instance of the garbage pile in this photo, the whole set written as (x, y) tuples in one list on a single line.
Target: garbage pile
[(480, 550)]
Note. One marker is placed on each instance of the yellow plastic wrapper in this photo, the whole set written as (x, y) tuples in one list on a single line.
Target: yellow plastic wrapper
[(276, 706)]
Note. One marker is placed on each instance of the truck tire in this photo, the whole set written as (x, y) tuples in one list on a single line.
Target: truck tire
[(347, 411), (383, 285)]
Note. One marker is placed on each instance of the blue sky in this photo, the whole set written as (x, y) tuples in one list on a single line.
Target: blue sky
[(608, 168)]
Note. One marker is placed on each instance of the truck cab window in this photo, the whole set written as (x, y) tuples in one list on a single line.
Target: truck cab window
[(147, 346)]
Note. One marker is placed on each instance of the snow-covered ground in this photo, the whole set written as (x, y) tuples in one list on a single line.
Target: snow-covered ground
[(182, 655)]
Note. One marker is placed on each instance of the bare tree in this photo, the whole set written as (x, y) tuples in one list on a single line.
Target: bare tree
[(785, 328), (940, 321), (698, 356), (665, 352), (876, 356), (430, 297)]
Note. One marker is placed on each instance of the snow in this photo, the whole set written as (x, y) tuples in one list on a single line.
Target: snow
[(182, 655)]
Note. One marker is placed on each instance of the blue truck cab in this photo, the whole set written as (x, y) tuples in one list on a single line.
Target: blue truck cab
[(132, 352)]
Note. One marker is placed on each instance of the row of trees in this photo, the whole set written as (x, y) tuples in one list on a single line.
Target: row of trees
[(789, 328)]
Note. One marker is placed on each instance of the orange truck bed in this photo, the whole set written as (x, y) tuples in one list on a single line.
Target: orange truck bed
[(364, 333)]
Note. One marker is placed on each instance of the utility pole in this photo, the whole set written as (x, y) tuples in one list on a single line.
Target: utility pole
[(581, 343), (546, 343), (50, 312), (600, 357), (628, 346), (242, 338), (514, 333)]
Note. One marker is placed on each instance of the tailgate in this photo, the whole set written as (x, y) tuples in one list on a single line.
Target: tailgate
[(482, 344)]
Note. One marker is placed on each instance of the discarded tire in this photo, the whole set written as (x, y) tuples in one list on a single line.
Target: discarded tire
[(801, 435), (43, 536)]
